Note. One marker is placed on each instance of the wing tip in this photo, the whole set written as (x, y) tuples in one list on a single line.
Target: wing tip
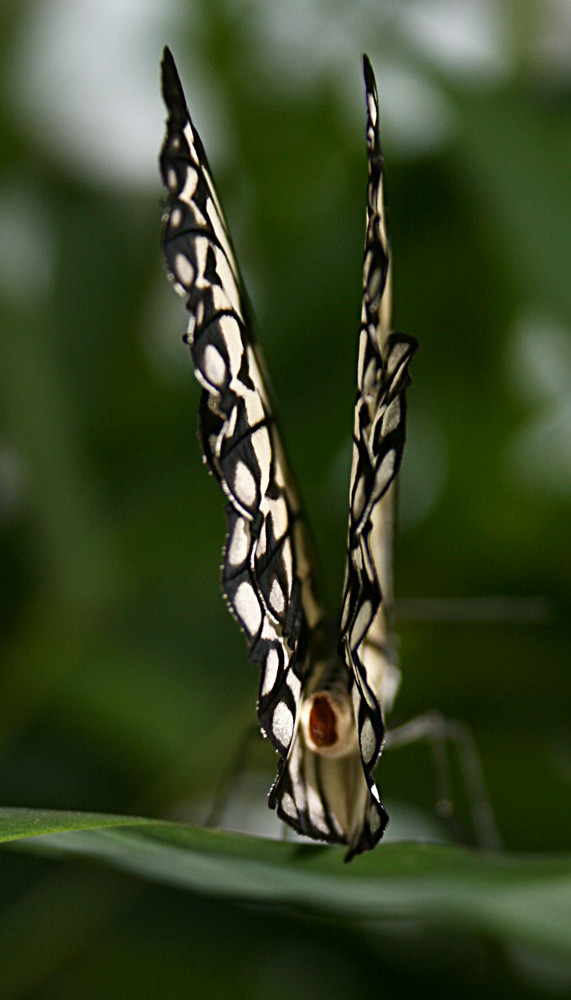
[(368, 844), (167, 56), (372, 99), (173, 94), (370, 81)]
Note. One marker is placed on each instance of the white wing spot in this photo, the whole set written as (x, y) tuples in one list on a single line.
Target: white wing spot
[(374, 821), (372, 109), (361, 623), (231, 424), (367, 741), (239, 544), (315, 809), (189, 136), (189, 190), (288, 805), (271, 670), (279, 516), (396, 358), (282, 723), (230, 331), (227, 279), (392, 416), (175, 218), (214, 365), (385, 473), (244, 485), (172, 180), (277, 599), (374, 283), (184, 270), (262, 541), (356, 697), (359, 498), (248, 607)]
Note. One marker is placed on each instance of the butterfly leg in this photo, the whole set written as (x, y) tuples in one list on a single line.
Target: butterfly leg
[(438, 732), (237, 767)]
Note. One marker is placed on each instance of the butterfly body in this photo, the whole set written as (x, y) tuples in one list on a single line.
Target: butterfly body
[(321, 699)]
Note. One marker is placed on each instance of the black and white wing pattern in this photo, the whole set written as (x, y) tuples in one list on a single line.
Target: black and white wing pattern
[(266, 574), (366, 643), (320, 694)]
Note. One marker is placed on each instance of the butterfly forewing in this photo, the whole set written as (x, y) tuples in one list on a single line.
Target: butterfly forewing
[(378, 439), (267, 575)]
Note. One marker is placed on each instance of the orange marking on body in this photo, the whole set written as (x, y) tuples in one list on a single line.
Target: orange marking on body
[(322, 722)]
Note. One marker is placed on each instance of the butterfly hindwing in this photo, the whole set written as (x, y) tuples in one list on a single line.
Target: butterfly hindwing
[(266, 573)]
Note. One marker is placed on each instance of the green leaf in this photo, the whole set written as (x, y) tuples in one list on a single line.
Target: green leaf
[(519, 899)]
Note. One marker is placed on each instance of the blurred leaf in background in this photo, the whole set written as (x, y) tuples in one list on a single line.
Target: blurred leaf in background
[(125, 684)]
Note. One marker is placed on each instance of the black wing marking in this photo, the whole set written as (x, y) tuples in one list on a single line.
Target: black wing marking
[(378, 441), (266, 574)]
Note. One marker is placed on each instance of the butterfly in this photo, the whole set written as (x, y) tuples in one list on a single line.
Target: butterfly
[(323, 691)]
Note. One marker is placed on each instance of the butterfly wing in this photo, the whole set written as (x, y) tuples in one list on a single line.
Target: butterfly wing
[(366, 642), (267, 569), (266, 575)]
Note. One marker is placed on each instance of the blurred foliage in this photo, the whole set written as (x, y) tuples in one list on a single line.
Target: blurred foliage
[(125, 685), (438, 888)]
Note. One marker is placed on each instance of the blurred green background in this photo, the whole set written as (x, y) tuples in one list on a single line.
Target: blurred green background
[(125, 683)]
